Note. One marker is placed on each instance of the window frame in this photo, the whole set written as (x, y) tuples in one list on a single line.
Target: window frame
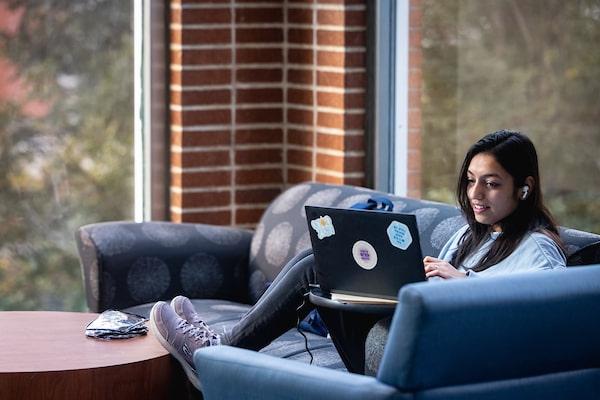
[(390, 109), (151, 120)]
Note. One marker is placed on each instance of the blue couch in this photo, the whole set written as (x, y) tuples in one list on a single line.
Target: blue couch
[(527, 336)]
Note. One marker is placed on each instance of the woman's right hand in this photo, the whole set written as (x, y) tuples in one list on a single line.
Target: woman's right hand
[(443, 269)]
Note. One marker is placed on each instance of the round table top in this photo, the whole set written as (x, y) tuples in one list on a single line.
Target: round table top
[(41, 341)]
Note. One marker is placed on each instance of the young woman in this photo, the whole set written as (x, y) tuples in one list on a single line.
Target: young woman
[(508, 230)]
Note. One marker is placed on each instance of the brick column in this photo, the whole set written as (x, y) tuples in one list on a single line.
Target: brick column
[(264, 94), (326, 81), (201, 112)]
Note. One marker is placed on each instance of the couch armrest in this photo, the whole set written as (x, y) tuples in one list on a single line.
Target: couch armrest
[(126, 264), (231, 373), (500, 328)]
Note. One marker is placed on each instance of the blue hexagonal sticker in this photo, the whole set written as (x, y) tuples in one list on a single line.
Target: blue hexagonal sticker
[(399, 235)]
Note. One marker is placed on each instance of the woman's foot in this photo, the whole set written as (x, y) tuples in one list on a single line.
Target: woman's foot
[(180, 337), (185, 309)]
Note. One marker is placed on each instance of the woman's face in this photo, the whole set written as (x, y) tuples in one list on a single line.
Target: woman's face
[(491, 190)]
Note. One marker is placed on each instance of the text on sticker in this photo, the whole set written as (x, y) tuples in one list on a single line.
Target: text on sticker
[(399, 235)]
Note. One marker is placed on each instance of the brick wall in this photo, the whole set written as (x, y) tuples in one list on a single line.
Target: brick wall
[(263, 94)]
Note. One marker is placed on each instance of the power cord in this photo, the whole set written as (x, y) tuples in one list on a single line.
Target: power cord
[(301, 332)]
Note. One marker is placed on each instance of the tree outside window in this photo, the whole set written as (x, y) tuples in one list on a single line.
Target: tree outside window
[(531, 65), (66, 140)]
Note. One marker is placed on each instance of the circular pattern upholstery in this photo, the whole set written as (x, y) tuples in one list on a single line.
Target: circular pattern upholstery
[(219, 235), (578, 234), (444, 231), (352, 200), (148, 279), (167, 235), (425, 217), (571, 249), (303, 242), (575, 240), (375, 345), (257, 240), (201, 275), (323, 198), (109, 289), (230, 308), (278, 244), (399, 205), (289, 199), (113, 240), (126, 263)]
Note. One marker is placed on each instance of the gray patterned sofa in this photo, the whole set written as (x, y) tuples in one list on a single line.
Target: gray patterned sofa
[(129, 266)]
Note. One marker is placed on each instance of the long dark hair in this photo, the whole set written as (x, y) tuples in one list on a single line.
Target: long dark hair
[(516, 154)]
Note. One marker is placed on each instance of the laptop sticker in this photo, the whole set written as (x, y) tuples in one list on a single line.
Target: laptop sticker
[(323, 226), (399, 235), (364, 254)]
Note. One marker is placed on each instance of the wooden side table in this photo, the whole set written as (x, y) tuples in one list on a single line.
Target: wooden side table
[(46, 355)]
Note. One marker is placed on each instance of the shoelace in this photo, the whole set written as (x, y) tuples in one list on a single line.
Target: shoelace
[(203, 333), (196, 321), (214, 337)]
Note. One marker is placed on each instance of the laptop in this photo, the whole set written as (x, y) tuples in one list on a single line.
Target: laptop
[(364, 255)]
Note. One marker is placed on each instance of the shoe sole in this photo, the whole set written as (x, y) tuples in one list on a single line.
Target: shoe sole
[(189, 371)]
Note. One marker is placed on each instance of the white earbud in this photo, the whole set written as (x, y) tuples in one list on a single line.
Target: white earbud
[(525, 191)]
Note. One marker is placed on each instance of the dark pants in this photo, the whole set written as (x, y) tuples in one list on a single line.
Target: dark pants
[(277, 309)]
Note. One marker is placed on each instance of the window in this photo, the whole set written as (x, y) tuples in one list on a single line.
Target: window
[(66, 141), (530, 65)]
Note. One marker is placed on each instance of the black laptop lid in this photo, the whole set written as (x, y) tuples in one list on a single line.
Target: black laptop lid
[(364, 252)]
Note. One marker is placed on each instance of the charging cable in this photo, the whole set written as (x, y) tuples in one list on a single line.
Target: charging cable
[(301, 332)]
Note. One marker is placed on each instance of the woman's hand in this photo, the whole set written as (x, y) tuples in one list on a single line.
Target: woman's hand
[(436, 267)]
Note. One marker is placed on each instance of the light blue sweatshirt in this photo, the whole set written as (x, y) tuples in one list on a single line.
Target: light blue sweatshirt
[(535, 252)]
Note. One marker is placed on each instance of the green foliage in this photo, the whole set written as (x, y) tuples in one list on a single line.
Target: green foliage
[(75, 164), (529, 65)]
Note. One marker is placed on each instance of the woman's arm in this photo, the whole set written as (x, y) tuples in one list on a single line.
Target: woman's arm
[(440, 266)]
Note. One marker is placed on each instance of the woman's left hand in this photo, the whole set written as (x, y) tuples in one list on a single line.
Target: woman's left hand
[(436, 267)]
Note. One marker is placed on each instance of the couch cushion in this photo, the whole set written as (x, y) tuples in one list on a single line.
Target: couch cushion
[(291, 345), (575, 240), (222, 315), (283, 230)]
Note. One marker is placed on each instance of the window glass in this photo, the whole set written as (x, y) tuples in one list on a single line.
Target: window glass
[(66, 134), (530, 65)]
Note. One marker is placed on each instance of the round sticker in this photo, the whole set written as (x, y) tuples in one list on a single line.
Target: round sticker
[(364, 254)]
